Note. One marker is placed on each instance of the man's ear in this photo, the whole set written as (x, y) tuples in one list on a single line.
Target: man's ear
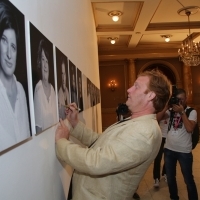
[(151, 95)]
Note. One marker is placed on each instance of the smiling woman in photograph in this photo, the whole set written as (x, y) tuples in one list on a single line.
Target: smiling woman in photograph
[(13, 104), (44, 95)]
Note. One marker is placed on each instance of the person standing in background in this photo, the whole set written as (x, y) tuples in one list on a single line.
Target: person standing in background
[(163, 120), (178, 146)]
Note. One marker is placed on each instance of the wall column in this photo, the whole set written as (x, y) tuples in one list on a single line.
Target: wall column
[(131, 72), (187, 83)]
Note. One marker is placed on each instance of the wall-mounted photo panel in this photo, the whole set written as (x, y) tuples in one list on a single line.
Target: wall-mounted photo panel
[(95, 94), (99, 96), (62, 83), (14, 102), (80, 90), (44, 97), (84, 89), (89, 98), (73, 81)]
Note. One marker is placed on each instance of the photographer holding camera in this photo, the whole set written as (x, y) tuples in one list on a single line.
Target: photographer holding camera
[(178, 145)]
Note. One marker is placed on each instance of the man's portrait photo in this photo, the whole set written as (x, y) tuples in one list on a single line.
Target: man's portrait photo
[(62, 83), (80, 91), (73, 85)]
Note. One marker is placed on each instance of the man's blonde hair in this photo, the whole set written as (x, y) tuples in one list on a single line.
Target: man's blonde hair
[(161, 86)]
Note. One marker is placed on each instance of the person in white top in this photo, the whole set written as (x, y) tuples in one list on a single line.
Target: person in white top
[(163, 120), (44, 94), (178, 146), (14, 121)]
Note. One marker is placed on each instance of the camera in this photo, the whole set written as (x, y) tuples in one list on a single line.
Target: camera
[(122, 109), (173, 99)]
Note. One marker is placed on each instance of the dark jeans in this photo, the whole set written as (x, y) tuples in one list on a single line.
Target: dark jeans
[(185, 161), (157, 161)]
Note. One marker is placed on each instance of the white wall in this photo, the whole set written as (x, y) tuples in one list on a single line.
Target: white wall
[(31, 170)]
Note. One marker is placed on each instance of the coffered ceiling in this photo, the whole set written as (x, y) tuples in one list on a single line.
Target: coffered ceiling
[(141, 26)]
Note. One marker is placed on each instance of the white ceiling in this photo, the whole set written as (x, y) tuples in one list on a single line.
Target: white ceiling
[(140, 28)]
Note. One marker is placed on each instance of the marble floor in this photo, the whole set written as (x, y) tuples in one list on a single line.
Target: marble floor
[(147, 191)]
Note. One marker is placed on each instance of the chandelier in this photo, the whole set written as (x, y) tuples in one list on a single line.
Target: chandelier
[(189, 53)]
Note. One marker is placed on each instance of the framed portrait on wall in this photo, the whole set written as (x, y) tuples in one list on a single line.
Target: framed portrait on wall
[(14, 100), (95, 95), (84, 91), (89, 95), (44, 96), (80, 90), (62, 83), (73, 83)]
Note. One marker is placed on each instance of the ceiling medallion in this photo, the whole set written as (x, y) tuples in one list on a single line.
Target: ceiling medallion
[(189, 53)]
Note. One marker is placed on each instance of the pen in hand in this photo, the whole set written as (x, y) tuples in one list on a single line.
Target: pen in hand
[(68, 106)]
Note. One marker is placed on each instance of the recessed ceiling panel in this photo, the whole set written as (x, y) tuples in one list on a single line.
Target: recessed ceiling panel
[(155, 38), (122, 40), (130, 12)]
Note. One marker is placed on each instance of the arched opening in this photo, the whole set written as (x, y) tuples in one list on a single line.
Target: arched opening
[(164, 69)]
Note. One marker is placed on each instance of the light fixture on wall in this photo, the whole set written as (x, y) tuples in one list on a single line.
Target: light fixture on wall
[(115, 15), (112, 39), (112, 85), (189, 52), (166, 37)]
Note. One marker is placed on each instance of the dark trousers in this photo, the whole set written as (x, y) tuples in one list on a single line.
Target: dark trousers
[(185, 161), (157, 161), (70, 190)]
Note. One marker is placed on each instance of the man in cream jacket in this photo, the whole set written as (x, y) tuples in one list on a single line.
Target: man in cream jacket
[(114, 162)]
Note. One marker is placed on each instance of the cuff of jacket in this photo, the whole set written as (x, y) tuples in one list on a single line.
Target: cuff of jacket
[(61, 149)]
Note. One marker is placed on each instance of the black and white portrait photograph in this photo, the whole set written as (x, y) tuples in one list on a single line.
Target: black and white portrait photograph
[(89, 98), (45, 106), (80, 91), (84, 89), (62, 83), (98, 95), (92, 93), (73, 81), (14, 102), (95, 94)]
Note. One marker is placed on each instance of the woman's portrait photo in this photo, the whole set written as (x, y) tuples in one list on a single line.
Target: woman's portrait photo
[(62, 83), (45, 106), (14, 109)]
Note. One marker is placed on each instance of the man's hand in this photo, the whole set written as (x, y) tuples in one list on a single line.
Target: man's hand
[(178, 108), (62, 131), (72, 114)]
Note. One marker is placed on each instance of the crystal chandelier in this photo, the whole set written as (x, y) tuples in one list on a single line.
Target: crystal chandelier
[(189, 53)]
